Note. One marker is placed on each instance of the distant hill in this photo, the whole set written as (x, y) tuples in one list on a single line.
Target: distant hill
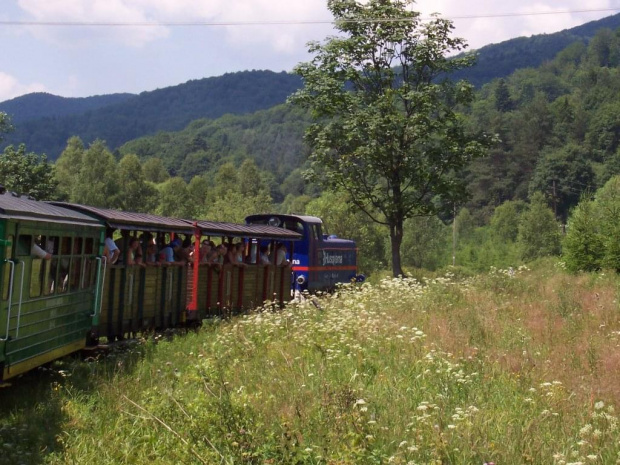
[(500, 60), (168, 109), (43, 105), (44, 130)]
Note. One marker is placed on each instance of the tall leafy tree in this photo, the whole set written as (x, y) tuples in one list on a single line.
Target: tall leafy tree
[(97, 183), (136, 194), (539, 232), (67, 167), (386, 130), (27, 173)]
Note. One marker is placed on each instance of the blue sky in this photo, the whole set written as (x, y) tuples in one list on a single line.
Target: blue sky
[(81, 61)]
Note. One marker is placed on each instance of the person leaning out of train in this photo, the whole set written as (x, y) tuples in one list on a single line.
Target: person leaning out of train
[(110, 251), (37, 251)]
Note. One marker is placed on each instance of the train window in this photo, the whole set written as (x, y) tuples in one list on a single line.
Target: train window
[(316, 232), (36, 274), (51, 245), (88, 279), (65, 249), (78, 242), (7, 268), (90, 246), (63, 275), (76, 273), (50, 274), (24, 243)]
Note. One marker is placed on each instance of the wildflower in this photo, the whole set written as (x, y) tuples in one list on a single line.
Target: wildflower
[(360, 402), (599, 405)]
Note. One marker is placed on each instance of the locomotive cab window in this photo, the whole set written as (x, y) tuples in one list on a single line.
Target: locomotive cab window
[(316, 232)]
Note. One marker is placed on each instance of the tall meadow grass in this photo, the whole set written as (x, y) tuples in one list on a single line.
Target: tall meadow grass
[(508, 367)]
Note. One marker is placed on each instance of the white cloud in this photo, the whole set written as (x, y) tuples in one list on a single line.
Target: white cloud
[(96, 11), (10, 87)]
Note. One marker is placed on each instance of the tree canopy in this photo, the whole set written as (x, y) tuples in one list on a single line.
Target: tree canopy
[(386, 128)]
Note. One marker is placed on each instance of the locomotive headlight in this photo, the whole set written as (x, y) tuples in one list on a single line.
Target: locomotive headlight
[(301, 279)]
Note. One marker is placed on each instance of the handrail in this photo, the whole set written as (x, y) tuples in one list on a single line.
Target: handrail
[(98, 259), (21, 298), (100, 280), (8, 316)]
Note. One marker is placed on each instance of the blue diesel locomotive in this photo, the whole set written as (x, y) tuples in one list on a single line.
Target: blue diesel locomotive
[(319, 260)]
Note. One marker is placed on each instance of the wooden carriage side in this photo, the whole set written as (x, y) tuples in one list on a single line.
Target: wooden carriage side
[(49, 277), (138, 298), (221, 290)]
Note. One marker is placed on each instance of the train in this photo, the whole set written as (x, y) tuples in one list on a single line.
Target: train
[(61, 295)]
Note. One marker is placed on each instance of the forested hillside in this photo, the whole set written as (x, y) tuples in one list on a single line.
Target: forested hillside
[(44, 122), (43, 105), (166, 109), (272, 138), (500, 60)]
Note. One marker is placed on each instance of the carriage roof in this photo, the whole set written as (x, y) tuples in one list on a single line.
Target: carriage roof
[(22, 207)]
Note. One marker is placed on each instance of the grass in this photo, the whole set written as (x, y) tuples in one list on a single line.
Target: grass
[(510, 367)]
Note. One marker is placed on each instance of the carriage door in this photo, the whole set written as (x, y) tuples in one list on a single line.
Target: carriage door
[(8, 281)]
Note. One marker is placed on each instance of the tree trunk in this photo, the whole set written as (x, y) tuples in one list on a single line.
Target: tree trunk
[(396, 239)]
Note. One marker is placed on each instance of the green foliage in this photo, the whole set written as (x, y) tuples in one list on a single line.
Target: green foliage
[(335, 209), (505, 220), (539, 232), (386, 129), (96, 183), (238, 193), (5, 124), (135, 194), (426, 243), (583, 245), (27, 173), (562, 174), (154, 170), (174, 199), (68, 166), (593, 230)]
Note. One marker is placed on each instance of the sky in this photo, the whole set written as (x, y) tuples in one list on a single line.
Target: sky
[(80, 61)]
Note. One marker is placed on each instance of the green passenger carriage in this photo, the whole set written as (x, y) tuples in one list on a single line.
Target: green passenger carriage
[(47, 304)]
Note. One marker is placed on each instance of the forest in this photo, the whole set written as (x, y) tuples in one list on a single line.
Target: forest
[(558, 148)]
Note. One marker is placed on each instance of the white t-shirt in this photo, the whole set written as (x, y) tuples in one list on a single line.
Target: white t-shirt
[(37, 251), (110, 244)]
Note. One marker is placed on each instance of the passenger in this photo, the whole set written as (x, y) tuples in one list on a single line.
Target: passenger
[(167, 254), (281, 255), (110, 251), (151, 253), (184, 252), (264, 256), (238, 251), (205, 252), (220, 258), (37, 251), (132, 256)]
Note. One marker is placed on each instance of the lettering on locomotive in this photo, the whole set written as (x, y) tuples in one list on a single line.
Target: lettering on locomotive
[(332, 259)]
